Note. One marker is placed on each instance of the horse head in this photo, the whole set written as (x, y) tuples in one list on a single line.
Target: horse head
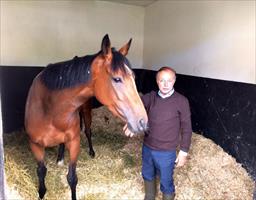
[(114, 85)]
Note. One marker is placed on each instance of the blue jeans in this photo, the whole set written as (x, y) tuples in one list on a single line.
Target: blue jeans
[(159, 162)]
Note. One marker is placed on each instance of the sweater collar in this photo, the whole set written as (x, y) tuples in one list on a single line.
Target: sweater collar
[(165, 95)]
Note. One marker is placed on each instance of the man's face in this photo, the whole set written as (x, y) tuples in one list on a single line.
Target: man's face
[(165, 81)]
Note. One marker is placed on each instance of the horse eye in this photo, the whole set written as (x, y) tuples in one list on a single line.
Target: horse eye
[(117, 80)]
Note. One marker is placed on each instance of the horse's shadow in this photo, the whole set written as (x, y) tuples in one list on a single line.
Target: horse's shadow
[(113, 141)]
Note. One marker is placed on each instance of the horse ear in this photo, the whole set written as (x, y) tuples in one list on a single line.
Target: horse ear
[(106, 47), (124, 50)]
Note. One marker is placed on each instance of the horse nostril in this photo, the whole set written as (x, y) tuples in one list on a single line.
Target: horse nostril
[(142, 124)]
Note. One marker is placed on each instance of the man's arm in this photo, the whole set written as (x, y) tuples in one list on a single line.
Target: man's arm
[(186, 133)]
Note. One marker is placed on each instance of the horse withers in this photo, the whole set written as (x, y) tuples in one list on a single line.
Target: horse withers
[(58, 92)]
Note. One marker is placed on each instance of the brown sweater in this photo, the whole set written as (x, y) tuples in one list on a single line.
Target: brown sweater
[(168, 117)]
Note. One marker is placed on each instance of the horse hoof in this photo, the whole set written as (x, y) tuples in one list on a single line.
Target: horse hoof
[(60, 162), (92, 154), (41, 193)]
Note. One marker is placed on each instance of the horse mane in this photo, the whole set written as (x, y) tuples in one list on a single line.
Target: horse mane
[(68, 73), (74, 72)]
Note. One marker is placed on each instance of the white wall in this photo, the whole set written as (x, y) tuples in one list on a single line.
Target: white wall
[(213, 39), (42, 32)]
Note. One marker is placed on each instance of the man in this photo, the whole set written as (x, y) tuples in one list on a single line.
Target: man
[(169, 127)]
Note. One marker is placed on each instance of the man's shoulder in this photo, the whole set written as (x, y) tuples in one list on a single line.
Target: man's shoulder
[(151, 93), (147, 97), (180, 96)]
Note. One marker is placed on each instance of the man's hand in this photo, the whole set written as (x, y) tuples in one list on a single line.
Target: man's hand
[(127, 132), (181, 159)]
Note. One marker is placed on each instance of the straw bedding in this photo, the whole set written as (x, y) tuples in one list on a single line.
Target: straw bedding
[(115, 171)]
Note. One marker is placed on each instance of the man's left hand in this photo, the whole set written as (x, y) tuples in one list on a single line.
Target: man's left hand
[(181, 159)]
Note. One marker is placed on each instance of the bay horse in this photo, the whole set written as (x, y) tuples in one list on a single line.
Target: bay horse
[(58, 92)]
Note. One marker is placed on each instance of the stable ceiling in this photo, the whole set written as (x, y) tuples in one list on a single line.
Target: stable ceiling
[(143, 3)]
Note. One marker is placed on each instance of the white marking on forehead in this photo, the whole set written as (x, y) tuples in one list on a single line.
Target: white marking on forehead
[(132, 77), (128, 69)]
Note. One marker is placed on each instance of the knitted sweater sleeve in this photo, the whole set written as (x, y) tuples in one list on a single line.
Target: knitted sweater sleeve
[(146, 98), (186, 127)]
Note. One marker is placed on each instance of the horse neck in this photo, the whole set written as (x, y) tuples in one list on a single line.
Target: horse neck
[(82, 94)]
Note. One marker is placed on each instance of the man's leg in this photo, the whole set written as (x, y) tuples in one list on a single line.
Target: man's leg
[(165, 163), (148, 174)]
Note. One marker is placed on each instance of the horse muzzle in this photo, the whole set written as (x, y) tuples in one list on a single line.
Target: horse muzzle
[(139, 127), (143, 125)]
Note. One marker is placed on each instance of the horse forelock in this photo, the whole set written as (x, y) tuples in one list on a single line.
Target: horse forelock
[(120, 62)]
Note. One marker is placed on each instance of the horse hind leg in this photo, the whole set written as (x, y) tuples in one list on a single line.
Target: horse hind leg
[(38, 152), (86, 116), (88, 134), (60, 157)]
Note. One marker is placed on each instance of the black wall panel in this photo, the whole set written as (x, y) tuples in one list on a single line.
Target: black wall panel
[(14, 85)]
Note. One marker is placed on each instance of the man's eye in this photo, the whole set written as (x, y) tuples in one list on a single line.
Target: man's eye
[(117, 80), (165, 81)]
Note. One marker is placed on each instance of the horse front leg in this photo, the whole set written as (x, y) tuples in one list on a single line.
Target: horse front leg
[(72, 179), (39, 152), (41, 173), (74, 149)]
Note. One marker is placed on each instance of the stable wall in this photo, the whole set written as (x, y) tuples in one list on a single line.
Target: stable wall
[(42, 32), (213, 39)]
